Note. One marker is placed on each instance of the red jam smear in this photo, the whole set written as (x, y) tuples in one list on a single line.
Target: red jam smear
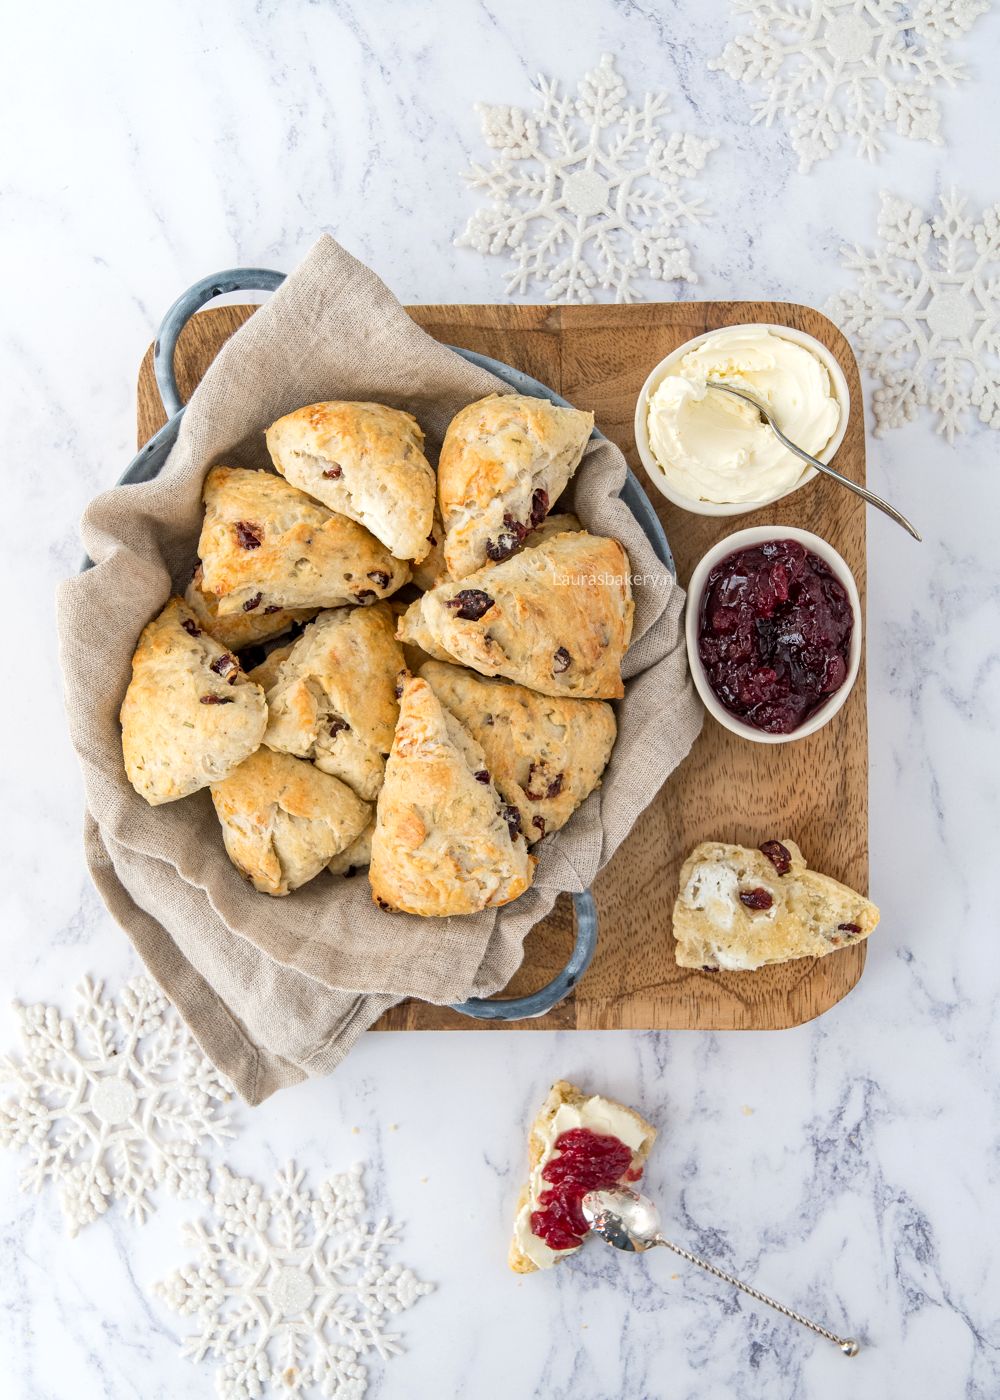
[(774, 634), (583, 1161)]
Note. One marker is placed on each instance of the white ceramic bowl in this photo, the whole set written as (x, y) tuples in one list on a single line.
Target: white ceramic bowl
[(838, 385), (744, 539)]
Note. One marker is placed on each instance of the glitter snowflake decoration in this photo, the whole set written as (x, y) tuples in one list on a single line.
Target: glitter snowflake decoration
[(850, 68), (112, 1102), (291, 1290), (587, 192), (926, 313)]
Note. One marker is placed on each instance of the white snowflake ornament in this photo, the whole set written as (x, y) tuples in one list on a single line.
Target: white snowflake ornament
[(292, 1289), (588, 192), (926, 313), (852, 68), (112, 1102)]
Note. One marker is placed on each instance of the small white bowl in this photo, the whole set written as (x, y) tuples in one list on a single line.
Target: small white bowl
[(655, 472), (745, 539)]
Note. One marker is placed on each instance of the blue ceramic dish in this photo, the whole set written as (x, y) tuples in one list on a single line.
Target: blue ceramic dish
[(150, 459)]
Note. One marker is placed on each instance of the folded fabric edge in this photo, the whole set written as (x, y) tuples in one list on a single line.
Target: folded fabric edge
[(255, 1073)]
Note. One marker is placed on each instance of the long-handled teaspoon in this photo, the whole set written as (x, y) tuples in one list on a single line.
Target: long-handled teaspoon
[(631, 1222), (768, 417)]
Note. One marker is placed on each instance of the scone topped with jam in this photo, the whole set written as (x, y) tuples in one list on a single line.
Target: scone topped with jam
[(578, 1143), (740, 909), (190, 716)]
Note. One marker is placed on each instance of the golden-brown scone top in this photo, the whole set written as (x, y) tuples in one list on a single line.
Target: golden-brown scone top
[(265, 544), (366, 461), (190, 716), (240, 629), (283, 820), (334, 696), (444, 842), (355, 856), (566, 1108), (504, 461), (544, 754), (739, 909), (557, 618)]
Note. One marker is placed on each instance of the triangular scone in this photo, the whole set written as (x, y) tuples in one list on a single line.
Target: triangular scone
[(367, 462), (333, 697), (265, 544), (556, 619), (240, 629), (444, 841), (566, 1110), (544, 754), (740, 909), (190, 715), (357, 855), (283, 820), (503, 462)]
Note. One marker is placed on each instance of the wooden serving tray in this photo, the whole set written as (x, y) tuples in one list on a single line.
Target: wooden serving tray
[(814, 790)]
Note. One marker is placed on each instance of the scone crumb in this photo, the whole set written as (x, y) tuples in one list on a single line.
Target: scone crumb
[(747, 1111)]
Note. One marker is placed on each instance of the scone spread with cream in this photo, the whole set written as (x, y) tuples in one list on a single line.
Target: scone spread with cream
[(577, 1143), (557, 618), (366, 461), (740, 909), (444, 842), (283, 820), (545, 755), (190, 716), (265, 545), (332, 699), (504, 461)]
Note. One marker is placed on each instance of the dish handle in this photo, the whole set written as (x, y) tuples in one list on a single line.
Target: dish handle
[(538, 1003)]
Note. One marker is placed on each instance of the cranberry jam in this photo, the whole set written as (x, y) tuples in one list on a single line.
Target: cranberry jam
[(583, 1161), (774, 634)]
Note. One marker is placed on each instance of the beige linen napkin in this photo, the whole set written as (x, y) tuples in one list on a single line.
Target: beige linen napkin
[(275, 989)]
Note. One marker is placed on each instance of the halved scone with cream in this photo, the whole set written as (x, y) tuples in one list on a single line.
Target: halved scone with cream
[(740, 909), (444, 841), (240, 629), (283, 820), (504, 461), (190, 716), (333, 696), (266, 545), (366, 461), (578, 1143), (544, 754), (557, 618)]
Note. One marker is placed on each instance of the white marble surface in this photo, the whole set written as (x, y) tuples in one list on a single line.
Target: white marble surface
[(851, 1165)]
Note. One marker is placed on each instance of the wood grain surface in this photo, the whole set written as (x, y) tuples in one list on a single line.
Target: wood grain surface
[(814, 790)]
